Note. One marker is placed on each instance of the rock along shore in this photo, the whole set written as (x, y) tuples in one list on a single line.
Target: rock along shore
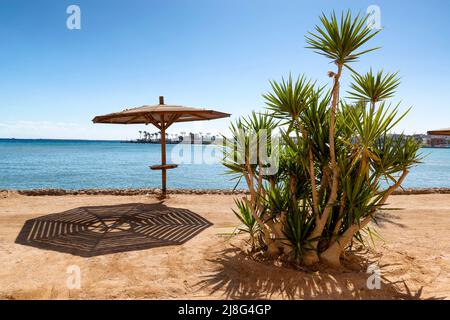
[(122, 192), (156, 191)]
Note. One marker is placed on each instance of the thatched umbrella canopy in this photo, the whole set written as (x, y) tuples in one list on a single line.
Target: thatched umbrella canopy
[(161, 116), (440, 132)]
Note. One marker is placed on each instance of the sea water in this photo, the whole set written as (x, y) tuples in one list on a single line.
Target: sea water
[(73, 164)]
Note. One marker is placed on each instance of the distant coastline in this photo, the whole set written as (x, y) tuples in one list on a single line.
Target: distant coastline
[(95, 141), (55, 139), (157, 141)]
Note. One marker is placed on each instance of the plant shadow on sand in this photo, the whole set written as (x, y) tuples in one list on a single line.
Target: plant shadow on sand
[(386, 216), (240, 276)]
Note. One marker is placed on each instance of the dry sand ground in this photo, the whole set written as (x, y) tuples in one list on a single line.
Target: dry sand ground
[(414, 258)]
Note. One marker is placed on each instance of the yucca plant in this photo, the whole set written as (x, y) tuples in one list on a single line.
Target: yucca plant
[(249, 225), (373, 88), (243, 159), (338, 40), (338, 162)]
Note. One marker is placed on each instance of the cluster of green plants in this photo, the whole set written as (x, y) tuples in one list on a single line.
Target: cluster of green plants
[(337, 161)]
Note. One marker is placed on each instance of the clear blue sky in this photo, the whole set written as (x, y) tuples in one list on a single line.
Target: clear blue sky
[(209, 53)]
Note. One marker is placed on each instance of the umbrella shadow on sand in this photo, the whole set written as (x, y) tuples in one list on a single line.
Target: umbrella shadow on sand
[(99, 230)]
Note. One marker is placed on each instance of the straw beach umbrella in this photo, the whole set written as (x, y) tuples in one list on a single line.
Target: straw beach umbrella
[(161, 116)]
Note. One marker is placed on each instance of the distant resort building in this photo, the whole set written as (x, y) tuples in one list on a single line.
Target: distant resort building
[(437, 138), (440, 132), (182, 137), (433, 139)]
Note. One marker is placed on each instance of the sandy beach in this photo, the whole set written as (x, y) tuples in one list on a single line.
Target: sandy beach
[(414, 257)]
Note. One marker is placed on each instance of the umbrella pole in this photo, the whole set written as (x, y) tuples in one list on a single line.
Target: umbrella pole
[(163, 156)]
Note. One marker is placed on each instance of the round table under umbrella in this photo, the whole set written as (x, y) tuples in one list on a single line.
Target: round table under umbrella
[(161, 116)]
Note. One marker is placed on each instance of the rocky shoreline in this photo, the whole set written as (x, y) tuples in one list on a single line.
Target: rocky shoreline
[(122, 192), (157, 191)]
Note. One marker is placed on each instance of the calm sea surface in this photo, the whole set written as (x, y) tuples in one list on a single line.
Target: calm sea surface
[(29, 164)]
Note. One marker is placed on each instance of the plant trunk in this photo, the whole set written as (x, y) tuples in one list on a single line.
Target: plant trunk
[(372, 105), (313, 182), (332, 255), (277, 229), (312, 175), (312, 256), (272, 249), (292, 188), (325, 180), (338, 225)]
